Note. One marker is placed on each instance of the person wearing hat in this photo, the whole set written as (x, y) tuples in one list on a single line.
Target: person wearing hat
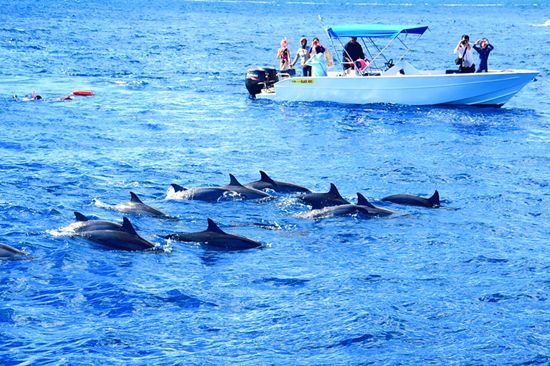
[(283, 54), (303, 54), (483, 47), (352, 52)]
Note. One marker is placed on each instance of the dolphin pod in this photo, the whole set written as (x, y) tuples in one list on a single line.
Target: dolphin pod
[(216, 238), (266, 182), (325, 204), (407, 199), (9, 252)]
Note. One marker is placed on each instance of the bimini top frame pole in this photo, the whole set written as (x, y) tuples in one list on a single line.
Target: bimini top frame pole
[(373, 31)]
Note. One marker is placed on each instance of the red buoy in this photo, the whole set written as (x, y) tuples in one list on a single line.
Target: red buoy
[(83, 93)]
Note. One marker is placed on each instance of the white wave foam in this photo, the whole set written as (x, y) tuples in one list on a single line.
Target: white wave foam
[(315, 214), (545, 24), (99, 203), (459, 5), (60, 232)]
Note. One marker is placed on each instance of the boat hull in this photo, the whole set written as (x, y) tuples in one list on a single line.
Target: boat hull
[(484, 89)]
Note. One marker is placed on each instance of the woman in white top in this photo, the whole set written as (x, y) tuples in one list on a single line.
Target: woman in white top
[(303, 55), (465, 55)]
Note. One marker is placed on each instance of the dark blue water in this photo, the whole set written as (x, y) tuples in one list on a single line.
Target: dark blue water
[(464, 284)]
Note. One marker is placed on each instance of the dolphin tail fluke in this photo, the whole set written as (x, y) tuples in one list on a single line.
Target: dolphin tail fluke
[(128, 227), (266, 178), (362, 201), (213, 227), (233, 181), (177, 187), (434, 199), (334, 191), (134, 198), (80, 217)]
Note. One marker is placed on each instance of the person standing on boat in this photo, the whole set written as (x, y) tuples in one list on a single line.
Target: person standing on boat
[(465, 60), (320, 59), (303, 54), (283, 54), (483, 47), (352, 52)]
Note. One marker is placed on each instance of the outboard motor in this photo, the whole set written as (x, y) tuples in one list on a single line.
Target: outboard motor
[(260, 78), (271, 76)]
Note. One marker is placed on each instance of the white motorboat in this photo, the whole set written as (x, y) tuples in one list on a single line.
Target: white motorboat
[(399, 83)]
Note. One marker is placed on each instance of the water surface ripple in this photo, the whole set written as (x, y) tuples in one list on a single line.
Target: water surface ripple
[(464, 284)]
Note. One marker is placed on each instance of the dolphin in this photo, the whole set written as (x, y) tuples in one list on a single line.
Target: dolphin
[(266, 182), (363, 209), (210, 194), (320, 200), (9, 252), (407, 199), (136, 206), (216, 238), (372, 210), (126, 238), (244, 192), (83, 223)]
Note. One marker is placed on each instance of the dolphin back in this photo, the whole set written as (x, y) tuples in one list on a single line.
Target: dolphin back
[(266, 178), (80, 217), (177, 187), (134, 198), (215, 238), (321, 200), (245, 192), (7, 252), (124, 239), (362, 201), (411, 200), (233, 181), (434, 199)]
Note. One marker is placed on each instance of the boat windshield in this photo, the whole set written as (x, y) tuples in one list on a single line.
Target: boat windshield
[(371, 36)]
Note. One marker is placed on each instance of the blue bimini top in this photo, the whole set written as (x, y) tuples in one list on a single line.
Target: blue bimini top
[(374, 30)]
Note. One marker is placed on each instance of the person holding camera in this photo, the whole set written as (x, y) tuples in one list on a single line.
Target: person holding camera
[(465, 59), (483, 47)]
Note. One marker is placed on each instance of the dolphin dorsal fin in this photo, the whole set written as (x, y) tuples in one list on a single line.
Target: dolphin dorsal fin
[(233, 181), (266, 178), (334, 191), (434, 199), (362, 201), (213, 227), (128, 227), (80, 217), (134, 198), (177, 187)]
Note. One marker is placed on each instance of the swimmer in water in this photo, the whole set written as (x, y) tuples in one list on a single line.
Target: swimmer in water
[(35, 97)]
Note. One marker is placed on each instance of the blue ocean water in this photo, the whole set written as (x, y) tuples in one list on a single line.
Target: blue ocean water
[(464, 284)]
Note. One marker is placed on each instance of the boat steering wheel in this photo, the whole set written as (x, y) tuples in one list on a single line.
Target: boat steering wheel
[(389, 64)]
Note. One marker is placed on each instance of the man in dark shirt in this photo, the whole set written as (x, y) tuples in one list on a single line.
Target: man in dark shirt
[(483, 47), (352, 52)]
